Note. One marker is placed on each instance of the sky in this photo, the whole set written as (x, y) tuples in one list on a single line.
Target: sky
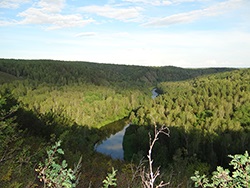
[(183, 33)]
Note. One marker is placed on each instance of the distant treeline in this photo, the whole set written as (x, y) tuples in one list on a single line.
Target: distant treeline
[(70, 72)]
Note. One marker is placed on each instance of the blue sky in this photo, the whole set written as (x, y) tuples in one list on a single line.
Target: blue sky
[(184, 33)]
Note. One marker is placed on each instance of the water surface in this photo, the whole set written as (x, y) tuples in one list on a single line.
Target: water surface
[(113, 145)]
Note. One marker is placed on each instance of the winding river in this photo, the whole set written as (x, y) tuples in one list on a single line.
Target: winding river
[(112, 146), (154, 93)]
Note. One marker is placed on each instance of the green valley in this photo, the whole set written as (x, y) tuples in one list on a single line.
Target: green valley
[(43, 101)]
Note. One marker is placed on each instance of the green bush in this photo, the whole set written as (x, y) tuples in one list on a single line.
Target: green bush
[(56, 175), (239, 177), (110, 179)]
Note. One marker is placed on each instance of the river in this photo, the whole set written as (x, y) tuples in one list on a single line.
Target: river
[(154, 93), (112, 145)]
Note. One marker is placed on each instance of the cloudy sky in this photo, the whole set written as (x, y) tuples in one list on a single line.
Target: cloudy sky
[(184, 33)]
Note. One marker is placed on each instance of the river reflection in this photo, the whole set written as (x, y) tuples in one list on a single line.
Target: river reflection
[(154, 93), (112, 136), (113, 145)]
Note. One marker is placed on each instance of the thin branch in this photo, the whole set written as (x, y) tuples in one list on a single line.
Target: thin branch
[(148, 179)]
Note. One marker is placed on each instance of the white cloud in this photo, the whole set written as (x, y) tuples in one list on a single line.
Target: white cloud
[(122, 14), (150, 2), (51, 6), (86, 34), (188, 1), (47, 12), (121, 34), (56, 21), (163, 2), (191, 16), (6, 23), (12, 4)]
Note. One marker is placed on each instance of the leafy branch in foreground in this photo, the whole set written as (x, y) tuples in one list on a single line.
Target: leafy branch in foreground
[(57, 175), (110, 179), (240, 177), (10, 136), (148, 178)]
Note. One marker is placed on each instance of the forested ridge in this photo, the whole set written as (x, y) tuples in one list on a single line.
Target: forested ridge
[(208, 117), (42, 101), (89, 93), (70, 72)]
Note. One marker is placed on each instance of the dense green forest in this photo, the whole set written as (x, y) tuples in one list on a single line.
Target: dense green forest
[(123, 76), (43, 101), (208, 117), (89, 93)]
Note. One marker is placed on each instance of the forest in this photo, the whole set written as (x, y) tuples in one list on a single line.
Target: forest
[(207, 112)]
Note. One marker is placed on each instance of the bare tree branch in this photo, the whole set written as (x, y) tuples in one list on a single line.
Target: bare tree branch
[(148, 178)]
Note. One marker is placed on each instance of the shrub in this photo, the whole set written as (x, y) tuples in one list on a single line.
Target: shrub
[(56, 175), (239, 177)]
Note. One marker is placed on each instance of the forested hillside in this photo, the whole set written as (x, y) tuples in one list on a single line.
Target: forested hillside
[(89, 93), (43, 101), (5, 77), (66, 73), (208, 117)]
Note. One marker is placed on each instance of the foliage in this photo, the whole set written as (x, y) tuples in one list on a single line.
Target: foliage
[(123, 76), (239, 177), (57, 175), (110, 179), (88, 93), (208, 117), (9, 135), (90, 105), (18, 152), (5, 77)]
